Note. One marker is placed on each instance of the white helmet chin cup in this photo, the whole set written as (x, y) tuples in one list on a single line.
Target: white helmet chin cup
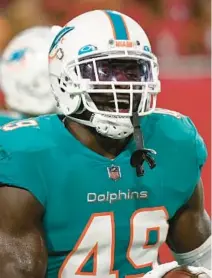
[(113, 127)]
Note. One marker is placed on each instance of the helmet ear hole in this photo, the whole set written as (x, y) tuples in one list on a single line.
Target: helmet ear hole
[(63, 85), (72, 104), (68, 104)]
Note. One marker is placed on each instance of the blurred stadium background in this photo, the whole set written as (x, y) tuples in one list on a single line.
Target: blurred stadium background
[(180, 33)]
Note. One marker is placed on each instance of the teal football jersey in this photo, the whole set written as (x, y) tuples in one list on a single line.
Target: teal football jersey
[(101, 220)]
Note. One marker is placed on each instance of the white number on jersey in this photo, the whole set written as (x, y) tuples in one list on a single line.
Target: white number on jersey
[(98, 241), (18, 124)]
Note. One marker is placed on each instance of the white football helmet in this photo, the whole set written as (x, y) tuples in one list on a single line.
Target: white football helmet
[(24, 76), (102, 62)]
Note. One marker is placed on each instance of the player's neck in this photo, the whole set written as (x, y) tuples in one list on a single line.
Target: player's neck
[(104, 146)]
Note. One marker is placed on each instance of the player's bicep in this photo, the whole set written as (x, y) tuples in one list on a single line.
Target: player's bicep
[(22, 247), (190, 227)]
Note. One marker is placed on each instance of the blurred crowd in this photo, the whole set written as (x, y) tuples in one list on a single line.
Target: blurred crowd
[(175, 27)]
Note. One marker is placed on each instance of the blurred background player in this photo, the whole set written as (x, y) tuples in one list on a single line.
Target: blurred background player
[(24, 76)]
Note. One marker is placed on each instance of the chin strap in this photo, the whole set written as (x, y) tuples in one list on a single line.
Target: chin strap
[(141, 155)]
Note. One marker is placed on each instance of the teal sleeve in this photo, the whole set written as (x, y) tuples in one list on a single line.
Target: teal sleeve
[(199, 150), (200, 147), (22, 170)]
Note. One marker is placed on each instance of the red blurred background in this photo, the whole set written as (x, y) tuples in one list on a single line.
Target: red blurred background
[(180, 33)]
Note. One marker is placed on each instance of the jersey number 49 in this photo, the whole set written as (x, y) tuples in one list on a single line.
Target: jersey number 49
[(98, 240)]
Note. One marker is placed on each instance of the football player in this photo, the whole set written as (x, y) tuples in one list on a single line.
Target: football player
[(24, 77), (95, 191)]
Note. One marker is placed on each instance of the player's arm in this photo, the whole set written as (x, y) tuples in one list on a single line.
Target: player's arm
[(22, 248), (190, 230)]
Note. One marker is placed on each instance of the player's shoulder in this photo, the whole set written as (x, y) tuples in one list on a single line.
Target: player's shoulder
[(174, 125), (29, 134), (176, 131)]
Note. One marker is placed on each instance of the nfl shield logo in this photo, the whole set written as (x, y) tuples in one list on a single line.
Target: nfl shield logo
[(114, 172)]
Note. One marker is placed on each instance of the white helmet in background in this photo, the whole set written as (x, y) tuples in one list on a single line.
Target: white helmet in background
[(24, 77), (101, 62)]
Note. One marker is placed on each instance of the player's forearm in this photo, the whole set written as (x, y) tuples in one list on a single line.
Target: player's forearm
[(13, 271), (12, 268), (21, 258)]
